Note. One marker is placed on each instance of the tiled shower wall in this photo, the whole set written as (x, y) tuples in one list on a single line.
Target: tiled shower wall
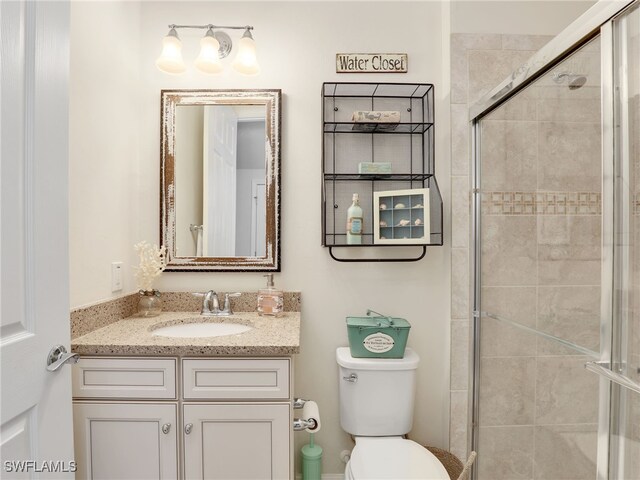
[(541, 269), (478, 63), (541, 214)]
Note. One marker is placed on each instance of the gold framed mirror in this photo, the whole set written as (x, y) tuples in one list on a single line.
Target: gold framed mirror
[(220, 179)]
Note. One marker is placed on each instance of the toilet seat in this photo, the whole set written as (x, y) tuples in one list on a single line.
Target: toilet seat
[(392, 458)]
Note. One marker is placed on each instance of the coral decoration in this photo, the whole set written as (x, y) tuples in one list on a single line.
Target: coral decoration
[(152, 262)]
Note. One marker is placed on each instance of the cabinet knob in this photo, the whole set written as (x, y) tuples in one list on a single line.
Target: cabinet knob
[(166, 428), (187, 428)]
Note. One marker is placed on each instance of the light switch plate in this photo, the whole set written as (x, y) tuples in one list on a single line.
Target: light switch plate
[(116, 276)]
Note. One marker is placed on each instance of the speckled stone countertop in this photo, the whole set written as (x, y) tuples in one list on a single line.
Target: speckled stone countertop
[(269, 336)]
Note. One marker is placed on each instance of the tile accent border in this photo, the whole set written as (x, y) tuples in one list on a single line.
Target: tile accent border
[(92, 317), (542, 203)]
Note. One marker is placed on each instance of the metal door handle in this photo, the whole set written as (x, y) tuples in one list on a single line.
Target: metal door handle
[(187, 428), (166, 428), (58, 356), (602, 368)]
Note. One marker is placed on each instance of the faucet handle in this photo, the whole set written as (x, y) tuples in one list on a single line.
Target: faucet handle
[(210, 305), (227, 302), (215, 305)]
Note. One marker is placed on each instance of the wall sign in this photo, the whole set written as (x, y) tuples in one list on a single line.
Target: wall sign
[(371, 62)]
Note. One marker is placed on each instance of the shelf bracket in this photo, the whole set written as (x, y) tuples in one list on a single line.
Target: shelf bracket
[(385, 260)]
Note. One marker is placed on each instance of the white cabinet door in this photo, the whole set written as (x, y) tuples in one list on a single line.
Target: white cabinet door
[(118, 441), (236, 442)]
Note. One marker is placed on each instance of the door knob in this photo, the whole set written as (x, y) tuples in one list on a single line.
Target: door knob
[(187, 428), (166, 428), (58, 356)]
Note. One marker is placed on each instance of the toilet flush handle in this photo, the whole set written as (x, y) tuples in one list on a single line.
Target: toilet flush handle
[(353, 378)]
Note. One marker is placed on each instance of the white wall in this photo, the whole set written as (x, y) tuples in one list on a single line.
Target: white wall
[(189, 145), (534, 17), (297, 43), (104, 113)]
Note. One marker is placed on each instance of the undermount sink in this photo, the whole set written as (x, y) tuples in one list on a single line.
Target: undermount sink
[(199, 328)]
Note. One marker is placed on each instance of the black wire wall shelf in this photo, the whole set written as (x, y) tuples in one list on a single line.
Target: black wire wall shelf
[(403, 154)]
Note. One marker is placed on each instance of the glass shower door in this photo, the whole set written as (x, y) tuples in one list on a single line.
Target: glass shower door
[(539, 301), (557, 268), (625, 400)]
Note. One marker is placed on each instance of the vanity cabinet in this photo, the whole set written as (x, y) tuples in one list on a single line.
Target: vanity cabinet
[(236, 441), (164, 418), (132, 441)]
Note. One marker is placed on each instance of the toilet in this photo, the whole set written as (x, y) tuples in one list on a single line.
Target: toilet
[(376, 407)]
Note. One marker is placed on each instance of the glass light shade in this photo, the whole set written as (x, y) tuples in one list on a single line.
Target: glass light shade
[(245, 61), (170, 60), (208, 60)]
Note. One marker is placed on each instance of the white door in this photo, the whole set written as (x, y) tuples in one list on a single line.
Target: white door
[(136, 441), (35, 416), (236, 442), (219, 189)]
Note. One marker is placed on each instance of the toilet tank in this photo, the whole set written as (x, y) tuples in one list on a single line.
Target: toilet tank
[(376, 394)]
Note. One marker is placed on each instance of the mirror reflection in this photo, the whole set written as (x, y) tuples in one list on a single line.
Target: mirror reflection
[(220, 180)]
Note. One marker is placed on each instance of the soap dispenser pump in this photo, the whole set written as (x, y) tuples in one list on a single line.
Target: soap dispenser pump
[(270, 299)]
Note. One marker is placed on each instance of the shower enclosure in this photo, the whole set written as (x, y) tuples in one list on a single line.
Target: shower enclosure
[(556, 230)]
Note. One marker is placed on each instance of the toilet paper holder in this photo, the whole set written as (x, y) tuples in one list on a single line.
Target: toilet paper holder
[(298, 403), (300, 424)]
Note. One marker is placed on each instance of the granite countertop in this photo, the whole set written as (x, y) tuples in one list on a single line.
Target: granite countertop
[(269, 336)]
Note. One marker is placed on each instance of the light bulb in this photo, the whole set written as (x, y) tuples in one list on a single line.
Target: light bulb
[(170, 60), (245, 61), (208, 60)]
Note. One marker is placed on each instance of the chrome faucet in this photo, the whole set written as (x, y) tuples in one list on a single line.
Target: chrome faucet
[(211, 305)]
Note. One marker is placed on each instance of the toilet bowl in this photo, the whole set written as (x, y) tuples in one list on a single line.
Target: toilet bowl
[(376, 407), (392, 458)]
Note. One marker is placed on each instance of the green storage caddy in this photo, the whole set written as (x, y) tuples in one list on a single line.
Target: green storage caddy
[(377, 337)]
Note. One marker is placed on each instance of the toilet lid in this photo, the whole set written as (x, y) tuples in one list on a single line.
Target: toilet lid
[(394, 458)]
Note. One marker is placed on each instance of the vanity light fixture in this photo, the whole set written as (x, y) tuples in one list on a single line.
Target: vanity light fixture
[(215, 45)]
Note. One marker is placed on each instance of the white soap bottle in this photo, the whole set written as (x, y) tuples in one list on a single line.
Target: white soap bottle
[(355, 222)]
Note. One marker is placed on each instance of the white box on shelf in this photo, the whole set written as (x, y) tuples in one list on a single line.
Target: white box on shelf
[(401, 217)]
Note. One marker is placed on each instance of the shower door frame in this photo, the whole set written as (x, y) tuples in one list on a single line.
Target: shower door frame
[(597, 21)]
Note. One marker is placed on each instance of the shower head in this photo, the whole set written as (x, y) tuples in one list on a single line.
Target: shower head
[(573, 80)]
